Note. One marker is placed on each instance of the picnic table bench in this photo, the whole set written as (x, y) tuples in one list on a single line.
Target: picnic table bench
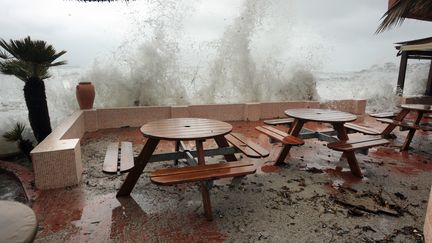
[(279, 121), (280, 136), (405, 124), (389, 114), (118, 159), (362, 129)]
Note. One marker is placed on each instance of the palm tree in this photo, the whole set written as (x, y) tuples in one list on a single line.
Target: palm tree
[(401, 9), (29, 60)]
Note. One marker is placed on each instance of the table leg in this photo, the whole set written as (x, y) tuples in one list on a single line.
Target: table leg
[(222, 142), (177, 148), (140, 164), (294, 131), (391, 127), (204, 190), (411, 132), (349, 155)]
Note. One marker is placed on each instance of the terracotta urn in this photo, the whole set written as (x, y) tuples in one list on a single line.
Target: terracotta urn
[(85, 93)]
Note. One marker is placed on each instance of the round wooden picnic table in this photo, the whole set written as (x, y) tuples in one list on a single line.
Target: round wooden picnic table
[(334, 117), (420, 109), (177, 129), (321, 115)]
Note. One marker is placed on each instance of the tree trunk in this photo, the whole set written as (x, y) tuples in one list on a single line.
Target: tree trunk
[(34, 94)]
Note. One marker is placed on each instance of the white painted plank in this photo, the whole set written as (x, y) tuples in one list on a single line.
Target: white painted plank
[(126, 157)]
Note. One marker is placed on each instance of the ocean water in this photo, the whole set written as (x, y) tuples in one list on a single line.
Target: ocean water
[(164, 62)]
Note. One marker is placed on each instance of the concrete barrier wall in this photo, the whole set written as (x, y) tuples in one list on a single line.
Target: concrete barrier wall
[(57, 159)]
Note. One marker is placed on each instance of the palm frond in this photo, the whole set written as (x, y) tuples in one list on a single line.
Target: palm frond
[(18, 68), (31, 58), (401, 9), (15, 134)]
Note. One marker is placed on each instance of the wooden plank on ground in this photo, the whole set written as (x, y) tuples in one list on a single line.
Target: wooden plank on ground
[(111, 158), (126, 156)]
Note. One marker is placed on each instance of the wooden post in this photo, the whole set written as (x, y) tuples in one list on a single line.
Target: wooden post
[(428, 91), (412, 131), (204, 190), (402, 73), (294, 131), (349, 155)]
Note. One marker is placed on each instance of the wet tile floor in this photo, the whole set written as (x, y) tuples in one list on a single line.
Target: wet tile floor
[(292, 203)]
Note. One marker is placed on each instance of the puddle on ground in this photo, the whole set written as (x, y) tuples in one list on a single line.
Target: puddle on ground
[(10, 188)]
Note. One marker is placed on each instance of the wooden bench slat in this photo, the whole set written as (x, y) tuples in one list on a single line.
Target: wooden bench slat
[(279, 121), (246, 145), (404, 124), (189, 169), (279, 135), (256, 147), (111, 158), (357, 144), (362, 129), (275, 130), (383, 115), (203, 175), (243, 147), (126, 156), (270, 133)]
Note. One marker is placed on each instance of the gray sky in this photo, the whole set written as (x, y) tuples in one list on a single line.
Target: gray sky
[(344, 28)]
